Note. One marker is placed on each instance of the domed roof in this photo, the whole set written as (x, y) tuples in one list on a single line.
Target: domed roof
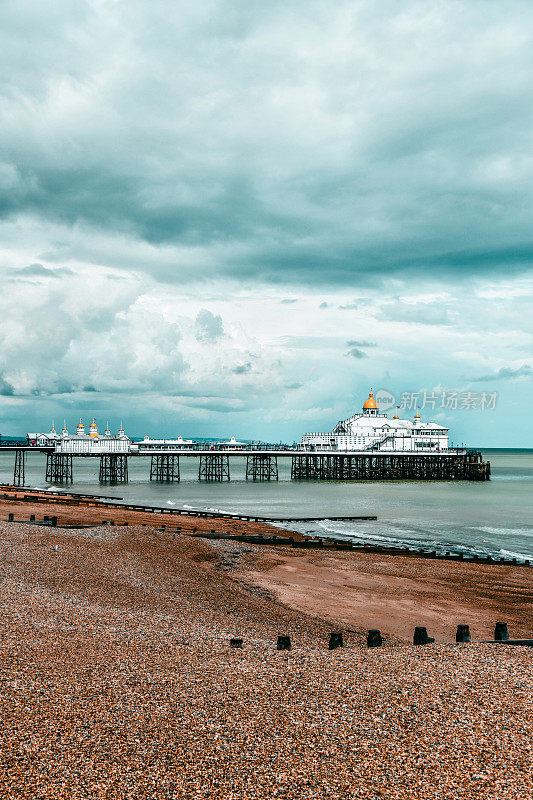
[(396, 416), (93, 424), (370, 403), (417, 415), (80, 424)]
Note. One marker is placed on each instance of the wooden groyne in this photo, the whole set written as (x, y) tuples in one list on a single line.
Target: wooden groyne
[(179, 520), (75, 499)]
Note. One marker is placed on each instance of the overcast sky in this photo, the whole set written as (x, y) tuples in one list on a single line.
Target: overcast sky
[(235, 217)]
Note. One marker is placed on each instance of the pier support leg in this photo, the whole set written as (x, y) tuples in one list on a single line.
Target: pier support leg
[(165, 468), (262, 468), (58, 468), (389, 466), (113, 469), (214, 467), (19, 474)]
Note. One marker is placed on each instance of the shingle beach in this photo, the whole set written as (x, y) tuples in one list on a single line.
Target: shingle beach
[(117, 681)]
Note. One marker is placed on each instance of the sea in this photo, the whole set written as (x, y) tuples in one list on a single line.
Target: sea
[(486, 518)]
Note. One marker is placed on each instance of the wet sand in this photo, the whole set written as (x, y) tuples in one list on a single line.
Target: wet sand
[(395, 593)]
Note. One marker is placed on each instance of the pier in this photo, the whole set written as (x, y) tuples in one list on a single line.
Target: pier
[(261, 463)]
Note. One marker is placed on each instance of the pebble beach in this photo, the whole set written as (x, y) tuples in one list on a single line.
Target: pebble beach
[(117, 681)]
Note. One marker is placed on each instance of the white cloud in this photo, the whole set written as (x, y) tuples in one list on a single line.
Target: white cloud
[(173, 173)]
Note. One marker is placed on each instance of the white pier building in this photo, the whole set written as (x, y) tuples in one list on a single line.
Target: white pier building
[(163, 444), (374, 431), (82, 443)]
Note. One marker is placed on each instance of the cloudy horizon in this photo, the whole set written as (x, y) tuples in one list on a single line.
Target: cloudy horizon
[(236, 219)]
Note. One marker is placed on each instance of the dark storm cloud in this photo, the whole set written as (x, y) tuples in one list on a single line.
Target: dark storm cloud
[(508, 373), (296, 142), (40, 271), (6, 388), (242, 369), (355, 352)]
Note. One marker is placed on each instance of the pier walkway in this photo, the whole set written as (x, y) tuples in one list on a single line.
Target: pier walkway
[(261, 463)]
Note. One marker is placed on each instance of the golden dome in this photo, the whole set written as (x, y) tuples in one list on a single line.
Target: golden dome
[(80, 424), (396, 416), (370, 403), (417, 415)]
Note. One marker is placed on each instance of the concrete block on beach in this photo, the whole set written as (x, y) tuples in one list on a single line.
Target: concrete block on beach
[(236, 642), (284, 643)]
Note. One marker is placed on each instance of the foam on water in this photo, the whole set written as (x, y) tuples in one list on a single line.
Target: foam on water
[(511, 554), (506, 531)]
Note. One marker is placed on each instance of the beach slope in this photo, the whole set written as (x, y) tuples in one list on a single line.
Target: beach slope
[(117, 681)]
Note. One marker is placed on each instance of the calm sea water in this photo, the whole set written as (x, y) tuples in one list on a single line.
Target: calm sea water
[(494, 517)]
